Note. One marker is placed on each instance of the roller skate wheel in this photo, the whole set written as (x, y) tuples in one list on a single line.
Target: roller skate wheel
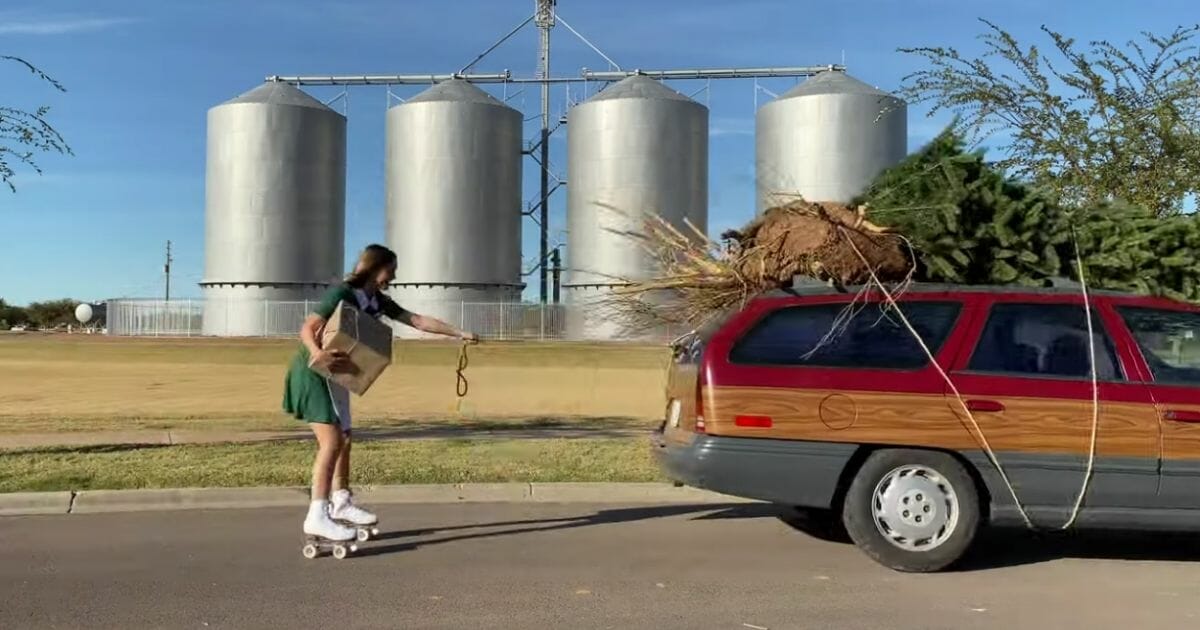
[(309, 551), (363, 535), (340, 552)]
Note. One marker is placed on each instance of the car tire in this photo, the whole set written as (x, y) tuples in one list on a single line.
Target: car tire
[(912, 510)]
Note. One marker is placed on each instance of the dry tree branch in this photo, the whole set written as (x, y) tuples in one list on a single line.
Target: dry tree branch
[(697, 277)]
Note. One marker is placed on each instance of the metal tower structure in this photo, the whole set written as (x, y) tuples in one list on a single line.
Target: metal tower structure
[(545, 17)]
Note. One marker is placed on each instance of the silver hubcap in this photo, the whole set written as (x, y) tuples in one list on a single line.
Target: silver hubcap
[(915, 508)]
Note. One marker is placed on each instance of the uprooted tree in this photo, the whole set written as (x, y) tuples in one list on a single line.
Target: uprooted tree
[(698, 278), (968, 223), (26, 133), (971, 224), (1092, 125), (944, 214)]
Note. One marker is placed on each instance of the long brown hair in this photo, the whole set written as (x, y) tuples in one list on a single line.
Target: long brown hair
[(373, 259)]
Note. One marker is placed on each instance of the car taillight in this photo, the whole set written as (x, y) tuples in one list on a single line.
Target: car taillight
[(700, 380)]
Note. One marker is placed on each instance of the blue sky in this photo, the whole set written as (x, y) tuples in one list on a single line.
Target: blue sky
[(141, 74)]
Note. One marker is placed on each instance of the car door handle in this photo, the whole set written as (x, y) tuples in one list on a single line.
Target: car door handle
[(1176, 415), (988, 406)]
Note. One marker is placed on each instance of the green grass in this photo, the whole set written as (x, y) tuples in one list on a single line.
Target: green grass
[(288, 464)]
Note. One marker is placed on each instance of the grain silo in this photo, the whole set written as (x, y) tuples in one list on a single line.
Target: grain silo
[(826, 140), (635, 148), (454, 201), (275, 195)]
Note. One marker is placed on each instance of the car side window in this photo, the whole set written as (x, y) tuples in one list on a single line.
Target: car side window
[(830, 335), (1048, 340), (1170, 342)]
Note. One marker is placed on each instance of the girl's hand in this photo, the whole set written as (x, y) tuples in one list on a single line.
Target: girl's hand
[(336, 361)]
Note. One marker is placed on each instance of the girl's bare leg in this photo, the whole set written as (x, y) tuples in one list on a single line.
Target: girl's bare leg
[(318, 521), (329, 447), (343, 507), (341, 469)]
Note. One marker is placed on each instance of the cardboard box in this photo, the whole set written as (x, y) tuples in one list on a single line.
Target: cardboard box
[(365, 339)]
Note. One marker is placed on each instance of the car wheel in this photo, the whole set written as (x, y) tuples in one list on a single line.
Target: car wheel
[(912, 510)]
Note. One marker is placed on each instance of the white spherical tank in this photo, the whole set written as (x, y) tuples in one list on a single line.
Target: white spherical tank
[(635, 149), (454, 200), (275, 194), (83, 313), (826, 140)]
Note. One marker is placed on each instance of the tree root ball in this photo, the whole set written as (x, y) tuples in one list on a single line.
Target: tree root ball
[(813, 239)]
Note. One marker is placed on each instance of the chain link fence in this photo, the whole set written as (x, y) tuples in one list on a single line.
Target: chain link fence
[(268, 318)]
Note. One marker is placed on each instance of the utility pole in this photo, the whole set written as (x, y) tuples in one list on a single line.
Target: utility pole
[(544, 19), (556, 269), (167, 271)]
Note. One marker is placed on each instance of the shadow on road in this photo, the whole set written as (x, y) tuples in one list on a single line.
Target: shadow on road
[(820, 524), (84, 449), (998, 549), (602, 517), (994, 549)]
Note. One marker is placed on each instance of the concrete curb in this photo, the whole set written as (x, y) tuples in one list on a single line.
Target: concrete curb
[(20, 503), (98, 501), (107, 501)]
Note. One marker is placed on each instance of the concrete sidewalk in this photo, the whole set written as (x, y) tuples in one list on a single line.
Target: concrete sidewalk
[(416, 432), (99, 501)]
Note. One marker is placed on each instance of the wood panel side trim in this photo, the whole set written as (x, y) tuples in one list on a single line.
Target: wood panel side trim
[(1031, 425)]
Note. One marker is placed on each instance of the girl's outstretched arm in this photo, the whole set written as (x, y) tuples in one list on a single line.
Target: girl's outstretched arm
[(423, 323)]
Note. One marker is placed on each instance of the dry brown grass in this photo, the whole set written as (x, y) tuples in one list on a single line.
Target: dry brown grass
[(60, 382)]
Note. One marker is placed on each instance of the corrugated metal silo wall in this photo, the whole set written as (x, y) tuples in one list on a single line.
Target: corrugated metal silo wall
[(274, 205), (636, 148), (454, 200), (826, 142)]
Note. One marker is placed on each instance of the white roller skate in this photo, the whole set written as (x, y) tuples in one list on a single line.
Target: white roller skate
[(343, 511), (321, 533)]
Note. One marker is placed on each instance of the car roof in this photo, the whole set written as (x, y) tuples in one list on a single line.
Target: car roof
[(805, 287)]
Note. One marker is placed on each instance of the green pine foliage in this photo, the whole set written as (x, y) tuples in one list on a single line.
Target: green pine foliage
[(968, 223), (971, 224), (1128, 249)]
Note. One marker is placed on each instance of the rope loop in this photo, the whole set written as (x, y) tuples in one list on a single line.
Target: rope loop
[(462, 386)]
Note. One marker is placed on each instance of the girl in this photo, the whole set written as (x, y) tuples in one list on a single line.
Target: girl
[(325, 405)]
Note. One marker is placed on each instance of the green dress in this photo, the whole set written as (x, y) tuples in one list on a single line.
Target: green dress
[(310, 397)]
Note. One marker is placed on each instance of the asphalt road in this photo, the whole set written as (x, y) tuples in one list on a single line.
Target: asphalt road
[(565, 566)]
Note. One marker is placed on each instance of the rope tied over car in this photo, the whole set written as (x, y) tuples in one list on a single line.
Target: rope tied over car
[(975, 430)]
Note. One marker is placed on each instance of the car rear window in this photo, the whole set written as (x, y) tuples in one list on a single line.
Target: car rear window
[(833, 335), (1170, 342), (689, 349)]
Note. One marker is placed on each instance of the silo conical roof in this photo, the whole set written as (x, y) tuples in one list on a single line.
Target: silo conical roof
[(456, 90), (639, 86), (279, 93), (833, 82)]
